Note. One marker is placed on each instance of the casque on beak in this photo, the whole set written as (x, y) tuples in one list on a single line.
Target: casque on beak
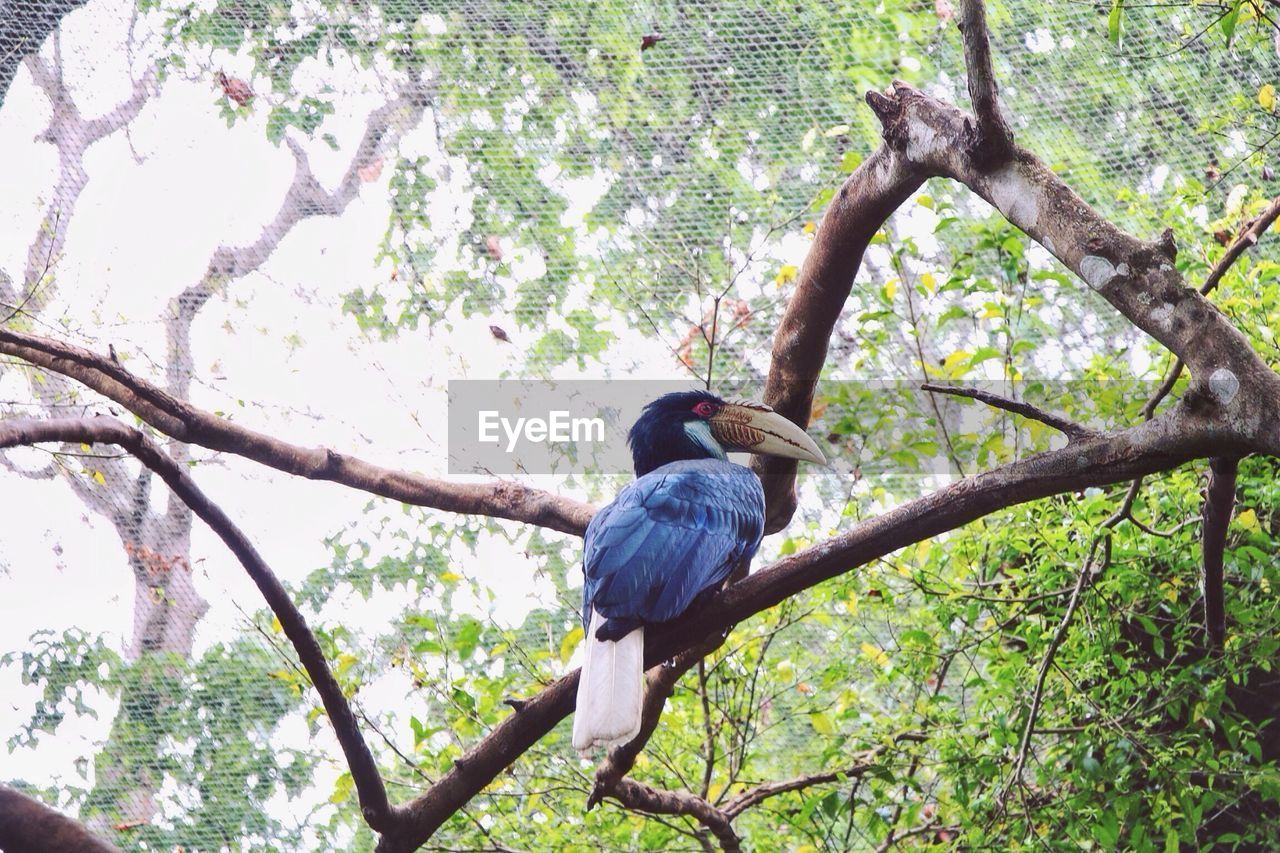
[(756, 428)]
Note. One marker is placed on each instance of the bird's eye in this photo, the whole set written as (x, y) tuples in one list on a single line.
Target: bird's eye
[(705, 409)]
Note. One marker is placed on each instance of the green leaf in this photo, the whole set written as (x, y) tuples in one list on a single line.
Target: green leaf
[(822, 723), (1229, 20), (1115, 24)]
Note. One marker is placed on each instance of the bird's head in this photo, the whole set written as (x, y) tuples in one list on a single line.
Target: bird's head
[(700, 425)]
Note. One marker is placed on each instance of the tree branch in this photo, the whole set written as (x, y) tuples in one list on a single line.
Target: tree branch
[(1173, 438), (101, 430), (1087, 571), (1248, 239), (1070, 428), (1219, 498), (927, 137), (125, 112), (1177, 436), (29, 826), (990, 139), (184, 422), (23, 30), (866, 199), (1136, 277), (660, 683), (864, 762), (640, 797)]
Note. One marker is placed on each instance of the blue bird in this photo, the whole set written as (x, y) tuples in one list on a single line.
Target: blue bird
[(688, 520)]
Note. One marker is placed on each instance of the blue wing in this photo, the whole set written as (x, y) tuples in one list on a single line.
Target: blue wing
[(671, 534)]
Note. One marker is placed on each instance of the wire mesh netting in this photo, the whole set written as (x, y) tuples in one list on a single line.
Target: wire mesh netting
[(306, 217)]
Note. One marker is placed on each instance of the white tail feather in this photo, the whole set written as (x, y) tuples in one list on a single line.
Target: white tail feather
[(610, 690)]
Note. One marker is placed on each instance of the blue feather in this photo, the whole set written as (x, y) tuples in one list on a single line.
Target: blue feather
[(673, 533)]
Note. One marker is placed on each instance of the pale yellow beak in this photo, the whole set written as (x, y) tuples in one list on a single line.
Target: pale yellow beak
[(756, 428)]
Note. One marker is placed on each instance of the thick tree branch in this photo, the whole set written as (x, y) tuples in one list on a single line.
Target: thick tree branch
[(182, 421), (1247, 239), (1219, 499), (875, 190), (373, 796), (1070, 428), (1138, 278), (990, 139), (29, 826)]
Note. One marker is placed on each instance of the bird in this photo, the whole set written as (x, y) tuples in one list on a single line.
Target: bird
[(678, 530)]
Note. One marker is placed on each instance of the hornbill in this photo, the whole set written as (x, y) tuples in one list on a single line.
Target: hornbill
[(688, 520)]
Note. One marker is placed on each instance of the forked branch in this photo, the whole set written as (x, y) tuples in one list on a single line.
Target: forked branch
[(991, 139)]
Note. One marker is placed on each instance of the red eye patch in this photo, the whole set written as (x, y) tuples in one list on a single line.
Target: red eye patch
[(705, 409)]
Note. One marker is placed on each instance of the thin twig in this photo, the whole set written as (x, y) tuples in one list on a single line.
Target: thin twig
[(864, 762), (1070, 428), (1037, 695), (1247, 239), (709, 743)]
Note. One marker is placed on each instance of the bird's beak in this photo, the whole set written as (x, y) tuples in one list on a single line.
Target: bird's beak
[(756, 428)]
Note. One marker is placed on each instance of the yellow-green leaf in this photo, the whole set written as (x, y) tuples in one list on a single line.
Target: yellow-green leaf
[(822, 723), (1248, 520), (569, 643), (958, 357), (1267, 97), (876, 654)]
